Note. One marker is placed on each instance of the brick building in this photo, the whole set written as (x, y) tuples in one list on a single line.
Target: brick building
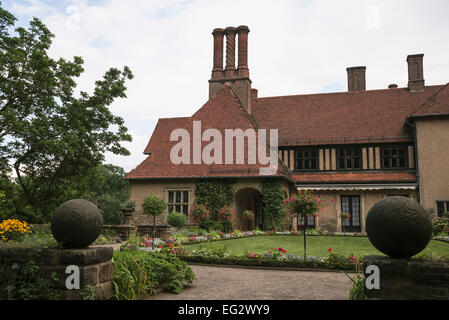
[(351, 148)]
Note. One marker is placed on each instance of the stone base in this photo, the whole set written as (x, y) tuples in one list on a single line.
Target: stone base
[(405, 279), (49, 266), (147, 230), (123, 230)]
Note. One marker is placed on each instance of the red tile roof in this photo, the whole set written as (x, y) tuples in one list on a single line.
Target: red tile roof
[(354, 177), (373, 116), (436, 105), (222, 111)]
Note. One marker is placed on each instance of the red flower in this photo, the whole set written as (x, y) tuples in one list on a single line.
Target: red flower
[(330, 249)]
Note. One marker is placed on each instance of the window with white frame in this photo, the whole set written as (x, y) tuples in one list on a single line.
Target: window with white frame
[(178, 201)]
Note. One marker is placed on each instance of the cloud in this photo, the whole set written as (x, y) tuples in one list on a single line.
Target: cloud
[(295, 47)]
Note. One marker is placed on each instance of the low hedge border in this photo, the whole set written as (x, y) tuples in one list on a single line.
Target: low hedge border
[(304, 265)]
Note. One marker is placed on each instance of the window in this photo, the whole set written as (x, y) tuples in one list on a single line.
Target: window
[(306, 159), (442, 207), (178, 201), (394, 157), (351, 205), (310, 222), (349, 158)]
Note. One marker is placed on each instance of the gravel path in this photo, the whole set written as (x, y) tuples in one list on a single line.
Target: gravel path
[(225, 283)]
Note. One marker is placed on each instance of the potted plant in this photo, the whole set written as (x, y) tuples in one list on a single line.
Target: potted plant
[(345, 215), (128, 207)]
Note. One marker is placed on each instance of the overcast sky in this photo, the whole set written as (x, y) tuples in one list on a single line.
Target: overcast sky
[(294, 47)]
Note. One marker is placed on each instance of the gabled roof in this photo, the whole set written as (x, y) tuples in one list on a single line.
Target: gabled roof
[(222, 111), (373, 116)]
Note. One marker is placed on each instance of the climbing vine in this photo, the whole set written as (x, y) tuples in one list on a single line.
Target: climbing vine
[(215, 194), (273, 208)]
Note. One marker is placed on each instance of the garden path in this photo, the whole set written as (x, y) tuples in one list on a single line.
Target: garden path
[(229, 283)]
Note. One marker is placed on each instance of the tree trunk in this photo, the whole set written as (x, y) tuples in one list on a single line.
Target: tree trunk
[(154, 232), (305, 238)]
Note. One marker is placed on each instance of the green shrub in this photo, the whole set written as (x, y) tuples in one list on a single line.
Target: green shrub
[(138, 274), (176, 220), (440, 225), (111, 209)]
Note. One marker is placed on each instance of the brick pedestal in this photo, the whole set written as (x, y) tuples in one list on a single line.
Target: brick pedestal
[(402, 279), (95, 265)]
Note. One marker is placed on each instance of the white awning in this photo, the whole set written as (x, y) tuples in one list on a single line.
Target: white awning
[(351, 187)]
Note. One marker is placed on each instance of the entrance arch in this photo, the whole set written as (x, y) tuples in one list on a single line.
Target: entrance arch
[(249, 199)]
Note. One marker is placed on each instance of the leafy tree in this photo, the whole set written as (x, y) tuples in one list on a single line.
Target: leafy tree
[(153, 206), (49, 137), (303, 204)]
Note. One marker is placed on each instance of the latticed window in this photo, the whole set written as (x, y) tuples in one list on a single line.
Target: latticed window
[(178, 201), (394, 157), (306, 159), (310, 222), (349, 158), (442, 207), (351, 205)]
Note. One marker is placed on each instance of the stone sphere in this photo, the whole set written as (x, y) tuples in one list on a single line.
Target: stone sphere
[(76, 223), (398, 227)]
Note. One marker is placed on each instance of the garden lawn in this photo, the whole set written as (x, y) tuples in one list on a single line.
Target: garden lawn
[(316, 245)]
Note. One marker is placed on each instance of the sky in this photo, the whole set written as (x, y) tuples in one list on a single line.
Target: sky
[(294, 47)]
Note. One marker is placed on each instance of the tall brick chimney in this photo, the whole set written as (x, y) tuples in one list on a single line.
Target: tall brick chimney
[(236, 78), (356, 79), (415, 72), (217, 71)]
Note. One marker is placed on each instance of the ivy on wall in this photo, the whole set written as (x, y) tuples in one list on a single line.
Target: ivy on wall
[(214, 194), (273, 209)]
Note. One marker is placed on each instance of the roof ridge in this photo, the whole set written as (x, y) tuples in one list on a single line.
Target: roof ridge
[(345, 92)]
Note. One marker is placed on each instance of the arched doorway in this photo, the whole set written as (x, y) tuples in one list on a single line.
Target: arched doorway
[(249, 199)]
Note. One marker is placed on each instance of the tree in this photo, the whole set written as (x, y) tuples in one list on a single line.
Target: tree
[(153, 206), (48, 136), (303, 204)]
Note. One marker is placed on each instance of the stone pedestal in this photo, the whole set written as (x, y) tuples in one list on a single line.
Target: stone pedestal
[(147, 230), (123, 230), (46, 268), (407, 279)]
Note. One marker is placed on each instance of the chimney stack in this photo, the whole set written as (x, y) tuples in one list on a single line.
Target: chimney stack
[(415, 72), (217, 71), (230, 52), (254, 94), (356, 79), (242, 68), (236, 78)]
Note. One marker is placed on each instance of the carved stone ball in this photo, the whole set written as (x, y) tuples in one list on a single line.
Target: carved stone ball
[(76, 223), (398, 227)]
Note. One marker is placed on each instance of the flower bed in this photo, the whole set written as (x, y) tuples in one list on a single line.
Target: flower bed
[(181, 239)]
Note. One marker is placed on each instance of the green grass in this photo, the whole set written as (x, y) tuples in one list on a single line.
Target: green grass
[(316, 245)]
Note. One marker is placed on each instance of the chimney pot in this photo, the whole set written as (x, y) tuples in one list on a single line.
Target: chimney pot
[(415, 72), (356, 78)]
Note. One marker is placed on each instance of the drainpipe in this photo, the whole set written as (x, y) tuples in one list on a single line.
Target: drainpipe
[(418, 194)]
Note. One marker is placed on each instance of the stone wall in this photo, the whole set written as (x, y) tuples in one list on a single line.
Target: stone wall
[(402, 279), (42, 272)]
